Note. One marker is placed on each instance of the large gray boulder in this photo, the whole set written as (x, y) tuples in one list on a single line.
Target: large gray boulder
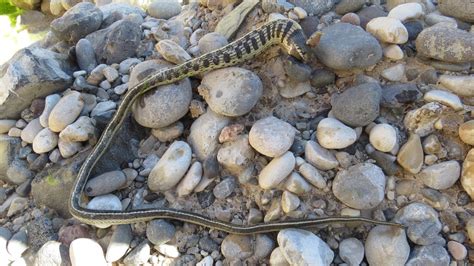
[(9, 147)]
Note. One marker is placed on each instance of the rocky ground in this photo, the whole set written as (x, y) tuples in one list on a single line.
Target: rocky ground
[(378, 125)]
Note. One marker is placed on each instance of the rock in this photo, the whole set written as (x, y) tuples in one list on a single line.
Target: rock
[(31, 69), (271, 136), (18, 244), (105, 183), (126, 65), (5, 235), (237, 155), (225, 188), (110, 73), (164, 9), (319, 156), (17, 206), (50, 102), (116, 11), (289, 201), (18, 172), (81, 130), (445, 98), (414, 27), (446, 44), (9, 148), (105, 202), (294, 89), (168, 133), (386, 245), (314, 7), (344, 47), (102, 108), (65, 111), (159, 231), (351, 18), (387, 29), (383, 137), (394, 73), (77, 22), (441, 175), (45, 141), (31, 130), (52, 253), (117, 42), (139, 255), (361, 186), (397, 95), (5, 125), (457, 250), (421, 121), (68, 149), (467, 176), (171, 51), (357, 106), (171, 167), (368, 13), (190, 180), (263, 246), (332, 134), (429, 255), (170, 100), (274, 172), (297, 184), (470, 228), (351, 251), (312, 175), (119, 243), (242, 90), (460, 85), (237, 247), (406, 11), (301, 247), (85, 55), (346, 6), (410, 156), (211, 42), (230, 23), (85, 251), (461, 9), (393, 52), (277, 258)]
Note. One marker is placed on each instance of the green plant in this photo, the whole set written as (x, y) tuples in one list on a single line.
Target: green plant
[(8, 9)]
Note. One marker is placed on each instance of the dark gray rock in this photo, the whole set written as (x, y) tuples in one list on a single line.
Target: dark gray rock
[(225, 187), (309, 25), (322, 77), (435, 255), (9, 148), (40, 231), (414, 27), (368, 13), (31, 73), (296, 70), (53, 253), (117, 42), (315, 7), (85, 55), (346, 6), (344, 46), (116, 11), (77, 22), (397, 95), (18, 172), (160, 231), (359, 105)]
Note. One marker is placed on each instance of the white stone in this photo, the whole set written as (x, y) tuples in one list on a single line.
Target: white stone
[(68, 148), (45, 141), (49, 102), (300, 12), (467, 178), (277, 258), (81, 130), (386, 245), (319, 156), (108, 202), (441, 175), (333, 134), (164, 9), (289, 201), (275, 16), (312, 175), (393, 52), (406, 11), (65, 111), (29, 133), (275, 171), (172, 52), (271, 136), (103, 107), (207, 261), (190, 180), (168, 250), (383, 137), (394, 73), (389, 30), (460, 85), (445, 97), (5, 125), (86, 252)]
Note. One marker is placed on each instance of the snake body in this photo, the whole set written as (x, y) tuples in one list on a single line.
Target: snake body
[(286, 33)]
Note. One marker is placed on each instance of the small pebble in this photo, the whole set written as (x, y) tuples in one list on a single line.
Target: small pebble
[(160, 231), (85, 251), (387, 29), (332, 134), (444, 97), (274, 172), (119, 243), (319, 156), (271, 136), (351, 251), (383, 137), (386, 245), (289, 201)]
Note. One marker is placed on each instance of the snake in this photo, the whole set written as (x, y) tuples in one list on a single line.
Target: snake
[(284, 32)]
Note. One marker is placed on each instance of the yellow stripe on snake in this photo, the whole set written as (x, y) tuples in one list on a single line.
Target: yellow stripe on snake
[(285, 33)]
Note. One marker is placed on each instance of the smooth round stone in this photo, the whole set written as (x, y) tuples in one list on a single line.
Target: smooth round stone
[(263, 246), (389, 30), (103, 107), (67, 148), (85, 251), (442, 175), (383, 137), (81, 130), (237, 155), (52, 253), (66, 111), (406, 11), (110, 73), (394, 73), (461, 9), (457, 250), (18, 244), (344, 46), (301, 247), (289, 201), (160, 231), (271, 136), (386, 245), (5, 235), (300, 12), (49, 102), (119, 243), (414, 27), (172, 52), (231, 91), (168, 133), (411, 156), (297, 184), (211, 42), (190, 180), (351, 251), (332, 134), (171, 167), (366, 14), (446, 44), (393, 52), (18, 172), (351, 18), (126, 65), (275, 171), (361, 186), (467, 176), (225, 188), (164, 9), (45, 141), (312, 175), (108, 202), (429, 255), (85, 55), (460, 85), (17, 205), (29, 133), (319, 156), (139, 255), (237, 247), (5, 125), (277, 258), (105, 183), (358, 105), (422, 120), (444, 97)]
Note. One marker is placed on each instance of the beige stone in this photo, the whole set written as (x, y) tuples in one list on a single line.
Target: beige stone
[(467, 176), (410, 156), (466, 132)]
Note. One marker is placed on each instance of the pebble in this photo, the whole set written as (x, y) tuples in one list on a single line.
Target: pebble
[(470, 228), (242, 90), (237, 247), (319, 156), (406, 11), (301, 247), (17, 206), (139, 255), (458, 8), (211, 42), (225, 188), (85, 251), (263, 246), (358, 105), (66, 111), (18, 172), (170, 251), (105, 183), (332, 134), (271, 136), (441, 175), (467, 175), (160, 231), (190, 180), (168, 133), (386, 245), (312, 175), (383, 137), (361, 186), (121, 89), (18, 244), (5, 125), (393, 52), (394, 73), (50, 102), (103, 107), (289, 201), (164, 9), (351, 18), (126, 65), (206, 261), (45, 141), (171, 167), (172, 52), (421, 121), (274, 172), (457, 250), (236, 156), (119, 243), (67, 148), (351, 251), (414, 27), (346, 6), (14, 132), (52, 253), (460, 85), (85, 55), (81, 130), (429, 255), (31, 130), (300, 12), (105, 202), (277, 258), (297, 184), (410, 156), (444, 97), (387, 29)]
